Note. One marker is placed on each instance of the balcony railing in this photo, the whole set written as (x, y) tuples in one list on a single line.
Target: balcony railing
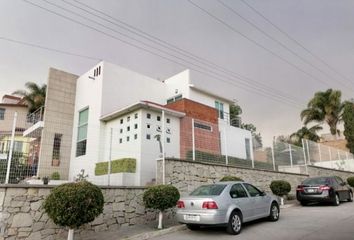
[(36, 116), (235, 121)]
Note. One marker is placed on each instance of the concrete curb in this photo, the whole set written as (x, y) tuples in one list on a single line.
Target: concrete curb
[(156, 233)]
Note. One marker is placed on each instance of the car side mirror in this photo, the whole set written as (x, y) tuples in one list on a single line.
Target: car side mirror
[(263, 193)]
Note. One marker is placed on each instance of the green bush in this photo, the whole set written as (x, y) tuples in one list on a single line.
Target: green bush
[(280, 187), (74, 204), (350, 181), (117, 166), (231, 178), (161, 197), (55, 176)]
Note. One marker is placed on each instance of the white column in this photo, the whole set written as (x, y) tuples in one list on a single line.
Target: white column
[(308, 151), (304, 152), (319, 151), (291, 156), (225, 144), (163, 140), (273, 159), (193, 141), (11, 149)]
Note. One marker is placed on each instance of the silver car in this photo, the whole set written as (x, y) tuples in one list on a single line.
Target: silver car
[(228, 204)]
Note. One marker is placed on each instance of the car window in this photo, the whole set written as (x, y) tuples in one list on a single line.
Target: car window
[(252, 190), (208, 190), (237, 191), (317, 181)]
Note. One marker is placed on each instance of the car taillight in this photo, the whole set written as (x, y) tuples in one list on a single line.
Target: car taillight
[(210, 205), (300, 188), (323, 188), (180, 204)]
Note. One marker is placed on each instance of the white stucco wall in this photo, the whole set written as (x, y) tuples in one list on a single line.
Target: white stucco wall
[(123, 87), (233, 140), (178, 84), (88, 95)]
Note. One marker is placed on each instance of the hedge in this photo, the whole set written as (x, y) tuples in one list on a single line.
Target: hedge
[(350, 181), (117, 166), (161, 197), (230, 178), (280, 187)]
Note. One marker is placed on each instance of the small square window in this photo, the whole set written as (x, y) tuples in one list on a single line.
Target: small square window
[(128, 119), (148, 125), (121, 121), (135, 136), (148, 115), (168, 140), (148, 136), (121, 130), (168, 120), (135, 115), (128, 128), (128, 139), (120, 140), (158, 118), (135, 126)]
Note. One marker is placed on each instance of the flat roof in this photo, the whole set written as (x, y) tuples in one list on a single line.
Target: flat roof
[(141, 105)]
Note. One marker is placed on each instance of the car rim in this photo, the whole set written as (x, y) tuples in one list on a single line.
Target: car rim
[(236, 223), (275, 212), (337, 199)]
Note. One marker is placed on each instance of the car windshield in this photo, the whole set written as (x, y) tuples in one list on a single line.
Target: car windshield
[(208, 190), (317, 181)]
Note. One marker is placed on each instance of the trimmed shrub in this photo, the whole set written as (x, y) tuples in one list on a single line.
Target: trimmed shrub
[(280, 187), (74, 204), (231, 178), (117, 166), (350, 181), (55, 176), (161, 197)]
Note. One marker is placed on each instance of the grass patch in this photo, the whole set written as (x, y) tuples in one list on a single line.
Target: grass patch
[(127, 165)]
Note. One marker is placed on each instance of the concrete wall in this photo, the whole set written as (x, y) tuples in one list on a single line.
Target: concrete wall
[(58, 118), (21, 215)]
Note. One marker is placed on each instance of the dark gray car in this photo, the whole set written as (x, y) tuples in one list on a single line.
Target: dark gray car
[(227, 204), (331, 189)]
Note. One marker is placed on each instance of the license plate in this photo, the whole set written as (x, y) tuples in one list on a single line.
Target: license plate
[(194, 218), (311, 190)]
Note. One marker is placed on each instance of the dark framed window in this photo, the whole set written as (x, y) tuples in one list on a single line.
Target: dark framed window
[(128, 128), (135, 115), (56, 149), (168, 120), (128, 138), (121, 121), (148, 115), (203, 126), (237, 191), (168, 140), (148, 125), (128, 118), (2, 113), (158, 118), (135, 126), (252, 190), (148, 136), (135, 136), (120, 140)]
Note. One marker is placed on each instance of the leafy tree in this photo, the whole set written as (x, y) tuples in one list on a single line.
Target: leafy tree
[(74, 204), (280, 187), (34, 95), (305, 133), (348, 118), (324, 107), (161, 197), (235, 112)]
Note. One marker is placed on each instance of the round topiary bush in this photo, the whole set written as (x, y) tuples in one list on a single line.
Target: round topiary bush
[(74, 204), (161, 197), (55, 176), (280, 187), (350, 181), (230, 178)]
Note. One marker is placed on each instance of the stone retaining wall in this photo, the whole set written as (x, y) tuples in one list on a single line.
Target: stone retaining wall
[(21, 215)]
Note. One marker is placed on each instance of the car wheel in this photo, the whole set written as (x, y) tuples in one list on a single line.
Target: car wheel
[(193, 227), (234, 225), (303, 203), (350, 199), (274, 212), (336, 201)]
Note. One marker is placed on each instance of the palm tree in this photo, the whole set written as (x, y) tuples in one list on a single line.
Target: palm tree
[(34, 96), (305, 133), (325, 107)]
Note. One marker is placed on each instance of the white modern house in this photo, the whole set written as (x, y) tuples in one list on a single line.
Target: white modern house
[(124, 120)]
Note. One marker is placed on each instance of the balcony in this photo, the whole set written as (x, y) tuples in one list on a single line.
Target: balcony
[(235, 122), (35, 123)]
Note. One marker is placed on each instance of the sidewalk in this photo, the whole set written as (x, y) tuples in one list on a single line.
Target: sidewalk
[(136, 232)]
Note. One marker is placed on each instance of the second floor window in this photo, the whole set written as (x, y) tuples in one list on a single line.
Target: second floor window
[(220, 108), (82, 133), (2, 113)]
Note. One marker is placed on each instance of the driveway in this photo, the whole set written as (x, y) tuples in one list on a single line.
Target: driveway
[(316, 222)]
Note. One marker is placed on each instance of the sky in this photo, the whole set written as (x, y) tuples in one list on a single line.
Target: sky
[(271, 56)]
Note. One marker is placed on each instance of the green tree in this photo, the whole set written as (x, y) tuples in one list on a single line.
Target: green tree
[(305, 133), (348, 118), (34, 95), (324, 107), (235, 112)]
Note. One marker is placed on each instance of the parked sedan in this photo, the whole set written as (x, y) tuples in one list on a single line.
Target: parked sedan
[(228, 204), (324, 189)]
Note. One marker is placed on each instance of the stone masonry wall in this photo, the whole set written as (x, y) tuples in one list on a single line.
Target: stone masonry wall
[(187, 175), (22, 216)]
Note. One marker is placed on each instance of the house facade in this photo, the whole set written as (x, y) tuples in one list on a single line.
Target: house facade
[(124, 121)]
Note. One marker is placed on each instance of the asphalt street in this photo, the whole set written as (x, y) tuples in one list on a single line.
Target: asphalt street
[(315, 222)]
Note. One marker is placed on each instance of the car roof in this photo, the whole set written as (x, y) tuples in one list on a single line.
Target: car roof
[(229, 182)]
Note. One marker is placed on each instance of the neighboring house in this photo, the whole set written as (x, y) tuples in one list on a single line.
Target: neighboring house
[(118, 116), (8, 107)]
